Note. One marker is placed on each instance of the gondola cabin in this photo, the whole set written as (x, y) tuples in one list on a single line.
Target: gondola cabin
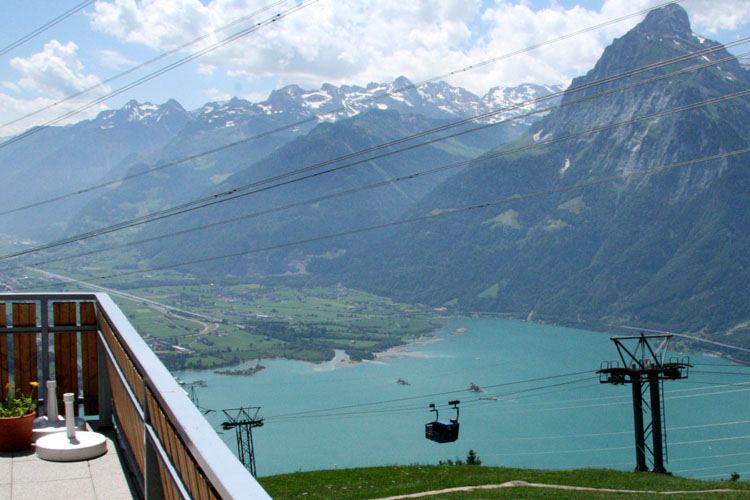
[(442, 431)]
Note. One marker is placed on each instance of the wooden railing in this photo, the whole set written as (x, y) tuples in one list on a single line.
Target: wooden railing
[(172, 451)]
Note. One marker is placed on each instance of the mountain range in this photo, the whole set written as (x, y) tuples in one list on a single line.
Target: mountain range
[(623, 201), (124, 142), (619, 225)]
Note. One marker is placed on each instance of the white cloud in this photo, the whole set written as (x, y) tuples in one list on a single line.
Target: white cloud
[(55, 72), (115, 60), (216, 95), (159, 24), (46, 79), (12, 108), (711, 16), (358, 41), (206, 70), (11, 86)]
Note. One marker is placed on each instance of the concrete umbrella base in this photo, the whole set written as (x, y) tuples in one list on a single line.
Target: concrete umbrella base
[(58, 447), (71, 445)]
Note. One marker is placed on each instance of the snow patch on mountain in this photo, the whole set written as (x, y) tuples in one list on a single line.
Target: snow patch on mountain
[(433, 99)]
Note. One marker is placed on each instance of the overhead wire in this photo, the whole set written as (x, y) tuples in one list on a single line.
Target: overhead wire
[(505, 109), (621, 399), (404, 409), (237, 192), (720, 373), (431, 395), (143, 64), (303, 4), (41, 29), (605, 434), (567, 406), (734, 364), (721, 475), (705, 457), (689, 337), (687, 442), (411, 220), (682, 471), (231, 193), (334, 413), (318, 116), (613, 448)]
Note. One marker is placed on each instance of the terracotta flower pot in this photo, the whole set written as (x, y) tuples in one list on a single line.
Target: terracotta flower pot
[(15, 432)]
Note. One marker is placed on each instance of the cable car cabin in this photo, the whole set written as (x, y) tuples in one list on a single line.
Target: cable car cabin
[(442, 431)]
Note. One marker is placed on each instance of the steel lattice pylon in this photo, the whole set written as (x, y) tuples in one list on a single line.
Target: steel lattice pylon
[(241, 420), (644, 368)]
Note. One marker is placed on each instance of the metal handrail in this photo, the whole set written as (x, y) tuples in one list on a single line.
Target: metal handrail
[(221, 467)]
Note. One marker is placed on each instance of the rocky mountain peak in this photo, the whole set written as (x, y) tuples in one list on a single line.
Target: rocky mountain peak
[(663, 35), (670, 20)]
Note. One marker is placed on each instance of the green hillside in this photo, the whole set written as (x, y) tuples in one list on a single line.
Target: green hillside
[(595, 226)]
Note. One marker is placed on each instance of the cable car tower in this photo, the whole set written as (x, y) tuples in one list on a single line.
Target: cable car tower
[(243, 422), (644, 368)]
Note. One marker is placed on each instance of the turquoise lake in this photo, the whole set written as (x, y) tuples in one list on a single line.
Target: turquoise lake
[(321, 417)]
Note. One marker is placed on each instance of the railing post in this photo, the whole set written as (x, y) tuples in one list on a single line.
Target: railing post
[(105, 391), (44, 305), (153, 488)]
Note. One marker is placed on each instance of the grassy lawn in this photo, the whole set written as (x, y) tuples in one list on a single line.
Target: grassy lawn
[(380, 482)]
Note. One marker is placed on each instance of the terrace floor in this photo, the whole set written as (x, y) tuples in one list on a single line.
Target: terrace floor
[(25, 476)]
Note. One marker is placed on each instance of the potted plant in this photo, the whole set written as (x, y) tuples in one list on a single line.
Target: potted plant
[(17, 414)]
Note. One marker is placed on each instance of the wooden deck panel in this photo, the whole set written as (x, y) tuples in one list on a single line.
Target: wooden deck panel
[(66, 348), (25, 368)]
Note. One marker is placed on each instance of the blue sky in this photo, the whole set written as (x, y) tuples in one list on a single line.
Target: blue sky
[(334, 41)]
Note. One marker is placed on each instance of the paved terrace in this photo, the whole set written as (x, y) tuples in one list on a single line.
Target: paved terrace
[(24, 476)]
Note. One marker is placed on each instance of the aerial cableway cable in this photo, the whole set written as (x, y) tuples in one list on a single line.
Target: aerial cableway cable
[(723, 466), (379, 184), (388, 144), (735, 364), (398, 410), (466, 209), (334, 413), (371, 99), (231, 194), (375, 185), (143, 64), (41, 29), (689, 337), (431, 395), (161, 71), (516, 411), (610, 448), (238, 191), (354, 412), (745, 374), (615, 433), (609, 79), (321, 413), (705, 457), (720, 475), (314, 117)]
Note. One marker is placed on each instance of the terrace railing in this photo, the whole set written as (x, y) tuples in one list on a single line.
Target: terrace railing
[(86, 344)]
